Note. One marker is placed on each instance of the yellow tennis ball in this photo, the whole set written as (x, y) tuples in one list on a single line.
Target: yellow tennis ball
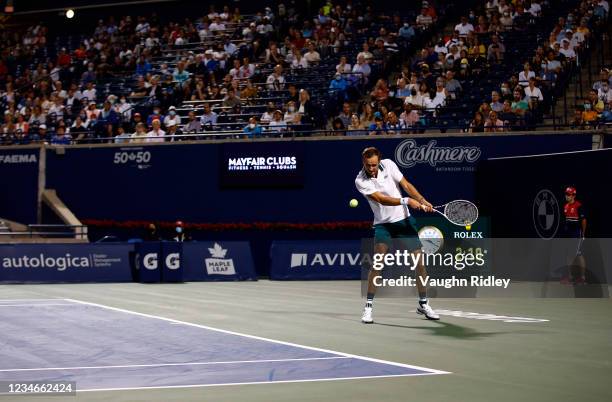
[(468, 227), (353, 203)]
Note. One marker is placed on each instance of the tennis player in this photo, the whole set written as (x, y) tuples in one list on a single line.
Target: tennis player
[(381, 182), (575, 227)]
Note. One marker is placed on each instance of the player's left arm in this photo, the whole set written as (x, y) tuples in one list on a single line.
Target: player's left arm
[(411, 190)]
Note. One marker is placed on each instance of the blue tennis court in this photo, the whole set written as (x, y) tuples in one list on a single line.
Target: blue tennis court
[(106, 348)]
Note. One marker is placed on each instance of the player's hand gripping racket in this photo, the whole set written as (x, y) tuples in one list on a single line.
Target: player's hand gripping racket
[(458, 212)]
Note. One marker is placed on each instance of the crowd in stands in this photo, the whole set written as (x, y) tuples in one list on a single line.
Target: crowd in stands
[(348, 69)]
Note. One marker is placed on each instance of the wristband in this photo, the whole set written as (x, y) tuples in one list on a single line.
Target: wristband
[(404, 201)]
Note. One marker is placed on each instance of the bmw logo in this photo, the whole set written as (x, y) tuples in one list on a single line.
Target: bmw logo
[(546, 215)]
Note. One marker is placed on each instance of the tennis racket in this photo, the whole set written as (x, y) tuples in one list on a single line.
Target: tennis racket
[(458, 212)]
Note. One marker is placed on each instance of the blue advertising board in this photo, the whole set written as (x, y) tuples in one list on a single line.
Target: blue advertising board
[(315, 260), (218, 261), (19, 183), (147, 256), (95, 181), (172, 261), (23, 263)]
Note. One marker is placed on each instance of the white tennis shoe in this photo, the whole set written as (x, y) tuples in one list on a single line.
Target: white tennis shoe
[(427, 311), (366, 317)]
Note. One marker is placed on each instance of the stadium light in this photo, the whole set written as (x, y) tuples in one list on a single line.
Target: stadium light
[(69, 13)]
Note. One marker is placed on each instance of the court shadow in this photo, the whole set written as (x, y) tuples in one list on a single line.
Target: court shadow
[(441, 328)]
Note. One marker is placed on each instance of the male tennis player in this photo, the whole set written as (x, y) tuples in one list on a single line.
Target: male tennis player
[(575, 227), (380, 182)]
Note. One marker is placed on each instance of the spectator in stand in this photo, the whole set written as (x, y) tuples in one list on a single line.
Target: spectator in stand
[(108, 116), (299, 61), (597, 103), (339, 84), (292, 116), (409, 117), (508, 116), (406, 32), (312, 56), (402, 91), (253, 129), (277, 124), (140, 134), (379, 126), (526, 75), (533, 94), (424, 20), (156, 134), (477, 123), (355, 125), (367, 115), (493, 124), (193, 124), (589, 114), (577, 122), (519, 105), (567, 51), (231, 100), (452, 85), (496, 105), (365, 53), (496, 49), (276, 80), (345, 115), (60, 137), (174, 133), (90, 92), (604, 78), (464, 28), (343, 67), (267, 116), (393, 123), (180, 75), (208, 118), (172, 117), (122, 136), (604, 93)]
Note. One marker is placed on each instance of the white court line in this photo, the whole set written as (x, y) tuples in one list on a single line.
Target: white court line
[(429, 371), (254, 383), (20, 300), (36, 304), (175, 364)]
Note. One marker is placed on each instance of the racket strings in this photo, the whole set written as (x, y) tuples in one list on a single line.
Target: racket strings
[(461, 213)]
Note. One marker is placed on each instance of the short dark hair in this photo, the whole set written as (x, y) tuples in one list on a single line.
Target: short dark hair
[(370, 152)]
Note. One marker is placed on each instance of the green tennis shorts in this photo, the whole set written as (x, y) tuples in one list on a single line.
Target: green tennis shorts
[(398, 234)]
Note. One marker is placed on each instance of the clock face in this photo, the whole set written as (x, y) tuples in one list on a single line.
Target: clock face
[(432, 239)]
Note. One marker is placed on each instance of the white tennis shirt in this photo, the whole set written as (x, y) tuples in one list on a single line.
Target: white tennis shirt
[(387, 183)]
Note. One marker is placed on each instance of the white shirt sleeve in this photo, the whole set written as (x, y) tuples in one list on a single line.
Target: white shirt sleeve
[(393, 170)]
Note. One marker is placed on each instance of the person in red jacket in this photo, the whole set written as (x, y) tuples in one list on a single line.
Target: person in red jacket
[(575, 225)]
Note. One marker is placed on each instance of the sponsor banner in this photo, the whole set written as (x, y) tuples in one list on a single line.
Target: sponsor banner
[(147, 259), (22, 263), (218, 261), (19, 183), (257, 165), (315, 260), (172, 264)]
